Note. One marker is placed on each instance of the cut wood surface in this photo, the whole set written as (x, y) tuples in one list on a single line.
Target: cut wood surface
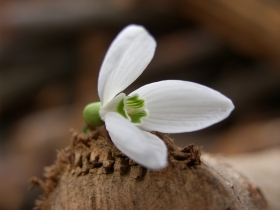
[(93, 174)]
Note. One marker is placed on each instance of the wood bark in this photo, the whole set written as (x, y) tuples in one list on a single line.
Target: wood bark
[(93, 174)]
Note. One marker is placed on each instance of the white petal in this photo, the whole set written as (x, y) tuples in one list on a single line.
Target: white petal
[(179, 106), (126, 59), (142, 147)]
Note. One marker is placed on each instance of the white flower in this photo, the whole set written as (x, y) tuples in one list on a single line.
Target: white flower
[(170, 106)]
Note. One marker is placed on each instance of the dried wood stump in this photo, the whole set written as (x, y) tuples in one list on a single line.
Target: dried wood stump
[(93, 174)]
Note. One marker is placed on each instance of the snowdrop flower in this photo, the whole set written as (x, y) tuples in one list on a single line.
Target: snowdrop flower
[(170, 106)]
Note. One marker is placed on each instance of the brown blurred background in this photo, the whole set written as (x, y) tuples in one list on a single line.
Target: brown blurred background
[(51, 52)]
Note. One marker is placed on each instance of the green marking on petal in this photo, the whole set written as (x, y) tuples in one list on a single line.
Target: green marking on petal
[(131, 108), (120, 109), (135, 108), (137, 118), (134, 103)]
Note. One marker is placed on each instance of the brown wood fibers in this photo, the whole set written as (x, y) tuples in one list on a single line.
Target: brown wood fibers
[(93, 174)]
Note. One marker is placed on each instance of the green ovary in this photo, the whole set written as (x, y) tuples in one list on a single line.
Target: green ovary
[(91, 114), (135, 109)]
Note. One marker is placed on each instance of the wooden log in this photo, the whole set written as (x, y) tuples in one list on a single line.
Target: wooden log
[(93, 174)]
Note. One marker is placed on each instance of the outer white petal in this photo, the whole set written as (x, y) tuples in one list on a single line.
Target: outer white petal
[(179, 106), (126, 59), (142, 147)]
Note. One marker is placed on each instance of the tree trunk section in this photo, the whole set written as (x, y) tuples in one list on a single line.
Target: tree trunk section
[(93, 174)]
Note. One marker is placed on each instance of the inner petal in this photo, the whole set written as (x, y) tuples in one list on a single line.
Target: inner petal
[(136, 108), (132, 108)]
